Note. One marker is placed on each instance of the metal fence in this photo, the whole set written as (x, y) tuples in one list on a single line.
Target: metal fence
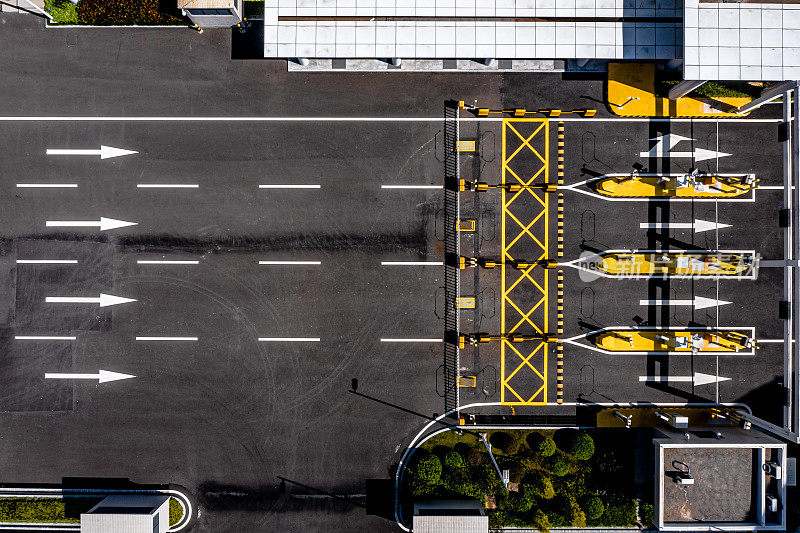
[(452, 248)]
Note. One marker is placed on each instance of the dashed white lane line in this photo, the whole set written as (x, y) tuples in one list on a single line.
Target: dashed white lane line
[(770, 341), (166, 339), (43, 338), (166, 262), (290, 262), (47, 261), (167, 186), (290, 186), (412, 186), (288, 339), (412, 263), (412, 340), (47, 185)]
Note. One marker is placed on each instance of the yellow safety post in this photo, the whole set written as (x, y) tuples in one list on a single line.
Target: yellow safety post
[(589, 112), (519, 112), (482, 112)]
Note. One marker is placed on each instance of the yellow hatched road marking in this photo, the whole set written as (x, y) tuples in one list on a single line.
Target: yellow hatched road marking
[(532, 360)]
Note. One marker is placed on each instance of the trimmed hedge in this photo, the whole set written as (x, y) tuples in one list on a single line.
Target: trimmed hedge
[(124, 13), (175, 512), (62, 11), (45, 509), (582, 447)]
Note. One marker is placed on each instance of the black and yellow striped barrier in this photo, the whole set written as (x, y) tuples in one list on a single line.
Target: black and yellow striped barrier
[(474, 339), (521, 111), (481, 186), (560, 346)]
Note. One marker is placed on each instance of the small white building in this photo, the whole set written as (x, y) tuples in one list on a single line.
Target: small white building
[(128, 513)]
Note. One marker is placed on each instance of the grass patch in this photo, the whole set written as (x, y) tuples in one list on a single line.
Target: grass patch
[(58, 510), (175, 512), (717, 89), (63, 11)]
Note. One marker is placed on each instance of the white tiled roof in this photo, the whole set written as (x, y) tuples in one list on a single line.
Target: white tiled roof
[(747, 41), (471, 29)]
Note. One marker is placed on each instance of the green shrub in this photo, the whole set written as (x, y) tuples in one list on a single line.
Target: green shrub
[(619, 512), (546, 447), (606, 461), (522, 501), (427, 469), (124, 13), (575, 485), (593, 508), (474, 458), (646, 513), (62, 11), (565, 512), (558, 466), (582, 447), (175, 511), (540, 485), (508, 443), (539, 520), (452, 461)]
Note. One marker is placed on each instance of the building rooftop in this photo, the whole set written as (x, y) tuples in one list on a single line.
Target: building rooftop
[(741, 41), (723, 490), (507, 29)]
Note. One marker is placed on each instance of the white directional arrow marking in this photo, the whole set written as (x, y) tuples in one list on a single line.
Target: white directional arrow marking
[(698, 225), (105, 300), (104, 223), (102, 376), (698, 379), (699, 302), (660, 150), (105, 152)]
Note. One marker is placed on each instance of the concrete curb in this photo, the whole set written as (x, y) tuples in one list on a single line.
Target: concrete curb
[(28, 492)]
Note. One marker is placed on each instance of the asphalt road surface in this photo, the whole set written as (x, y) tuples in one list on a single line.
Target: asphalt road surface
[(227, 414)]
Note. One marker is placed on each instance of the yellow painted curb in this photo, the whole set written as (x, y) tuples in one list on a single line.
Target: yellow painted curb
[(632, 86)]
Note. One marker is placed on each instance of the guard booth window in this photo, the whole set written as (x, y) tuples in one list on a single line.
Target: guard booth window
[(209, 11)]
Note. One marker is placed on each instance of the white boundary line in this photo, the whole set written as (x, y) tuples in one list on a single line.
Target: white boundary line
[(166, 339), (575, 187), (47, 185), (288, 339), (412, 187), (354, 119), (412, 263), (412, 340), (28, 492), (290, 186), (573, 263), (584, 336), (42, 338), (274, 263), (166, 262), (167, 186), (47, 261)]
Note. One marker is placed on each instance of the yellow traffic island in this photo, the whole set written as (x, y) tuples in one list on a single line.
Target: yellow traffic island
[(631, 92), (644, 264), (685, 341), (666, 186)]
